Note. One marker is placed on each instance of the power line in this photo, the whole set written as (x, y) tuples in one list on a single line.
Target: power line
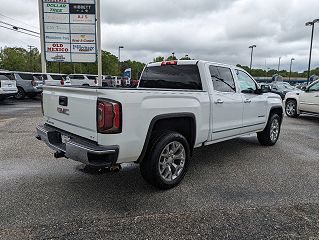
[(19, 31), (18, 28), (18, 21)]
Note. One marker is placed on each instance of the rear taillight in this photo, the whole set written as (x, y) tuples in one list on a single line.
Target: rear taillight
[(109, 117), (164, 63), (62, 82), (34, 83)]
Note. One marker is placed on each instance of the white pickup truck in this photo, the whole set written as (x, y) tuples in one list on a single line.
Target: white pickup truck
[(178, 106)]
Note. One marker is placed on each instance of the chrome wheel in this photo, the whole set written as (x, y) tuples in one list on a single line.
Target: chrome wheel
[(172, 161), (291, 109), (274, 130)]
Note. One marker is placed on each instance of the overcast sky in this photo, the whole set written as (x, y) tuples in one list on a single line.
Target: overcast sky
[(216, 30)]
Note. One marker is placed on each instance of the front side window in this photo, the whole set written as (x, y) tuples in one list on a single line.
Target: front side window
[(314, 88), (222, 78), (246, 83)]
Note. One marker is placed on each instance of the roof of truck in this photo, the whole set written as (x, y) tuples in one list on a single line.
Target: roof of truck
[(187, 62)]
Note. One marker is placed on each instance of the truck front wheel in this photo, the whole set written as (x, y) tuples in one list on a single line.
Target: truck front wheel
[(270, 135), (167, 160)]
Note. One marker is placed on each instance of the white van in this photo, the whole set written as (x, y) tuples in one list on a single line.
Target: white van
[(8, 86)]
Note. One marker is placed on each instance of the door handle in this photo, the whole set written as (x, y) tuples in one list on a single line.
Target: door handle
[(317, 96), (247, 101), (219, 101)]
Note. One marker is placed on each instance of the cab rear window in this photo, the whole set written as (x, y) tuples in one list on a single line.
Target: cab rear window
[(172, 77)]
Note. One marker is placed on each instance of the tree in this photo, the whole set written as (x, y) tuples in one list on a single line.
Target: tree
[(171, 58), (159, 59), (185, 58)]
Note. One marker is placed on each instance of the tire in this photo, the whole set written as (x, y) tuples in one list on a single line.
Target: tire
[(20, 94), (291, 108), (155, 166), (271, 133)]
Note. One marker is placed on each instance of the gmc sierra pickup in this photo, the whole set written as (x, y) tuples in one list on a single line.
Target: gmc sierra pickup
[(178, 106)]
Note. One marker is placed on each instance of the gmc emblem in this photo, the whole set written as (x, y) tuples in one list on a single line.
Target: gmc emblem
[(63, 110)]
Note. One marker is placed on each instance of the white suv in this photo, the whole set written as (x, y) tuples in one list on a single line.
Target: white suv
[(82, 80), (303, 102), (8, 86), (54, 79)]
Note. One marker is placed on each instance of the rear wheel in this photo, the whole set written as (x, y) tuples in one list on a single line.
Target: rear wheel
[(20, 94), (167, 160), (291, 108), (270, 135)]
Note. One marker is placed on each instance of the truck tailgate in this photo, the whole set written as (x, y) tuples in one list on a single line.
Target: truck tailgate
[(72, 110)]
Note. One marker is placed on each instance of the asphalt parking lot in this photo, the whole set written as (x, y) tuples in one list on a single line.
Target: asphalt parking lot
[(233, 190)]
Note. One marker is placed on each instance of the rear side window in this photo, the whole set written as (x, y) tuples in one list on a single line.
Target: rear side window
[(57, 77), (76, 77), (172, 77), (26, 76), (8, 75), (222, 78), (91, 77), (2, 77)]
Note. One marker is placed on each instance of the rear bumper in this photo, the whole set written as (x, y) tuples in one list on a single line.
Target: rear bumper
[(77, 148)]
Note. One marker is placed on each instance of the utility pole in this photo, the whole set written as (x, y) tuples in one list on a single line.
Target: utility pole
[(30, 57)]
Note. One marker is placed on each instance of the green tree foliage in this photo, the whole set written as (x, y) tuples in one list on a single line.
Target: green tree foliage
[(159, 59), (171, 58), (263, 73), (19, 59), (136, 67), (186, 57)]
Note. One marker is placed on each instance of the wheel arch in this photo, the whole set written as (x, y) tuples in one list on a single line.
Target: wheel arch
[(277, 110), (183, 123)]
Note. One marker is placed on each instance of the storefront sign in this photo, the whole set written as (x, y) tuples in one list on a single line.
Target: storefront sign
[(69, 30)]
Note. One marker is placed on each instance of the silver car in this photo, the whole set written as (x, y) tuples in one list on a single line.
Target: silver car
[(28, 84), (7, 85)]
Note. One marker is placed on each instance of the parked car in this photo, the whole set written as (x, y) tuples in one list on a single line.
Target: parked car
[(28, 84), (54, 79), (134, 83), (183, 105), (8, 86), (125, 82), (116, 81), (107, 81), (306, 101), (282, 88), (82, 80)]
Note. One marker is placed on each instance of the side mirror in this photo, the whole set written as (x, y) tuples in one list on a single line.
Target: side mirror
[(304, 89), (265, 89)]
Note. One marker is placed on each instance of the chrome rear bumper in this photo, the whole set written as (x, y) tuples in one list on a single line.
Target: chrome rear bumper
[(76, 148)]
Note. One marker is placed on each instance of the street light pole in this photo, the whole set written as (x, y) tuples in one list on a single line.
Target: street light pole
[(279, 64), (120, 47), (291, 67), (251, 56), (312, 24)]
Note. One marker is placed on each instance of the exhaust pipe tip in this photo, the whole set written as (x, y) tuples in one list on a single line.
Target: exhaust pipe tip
[(59, 154)]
